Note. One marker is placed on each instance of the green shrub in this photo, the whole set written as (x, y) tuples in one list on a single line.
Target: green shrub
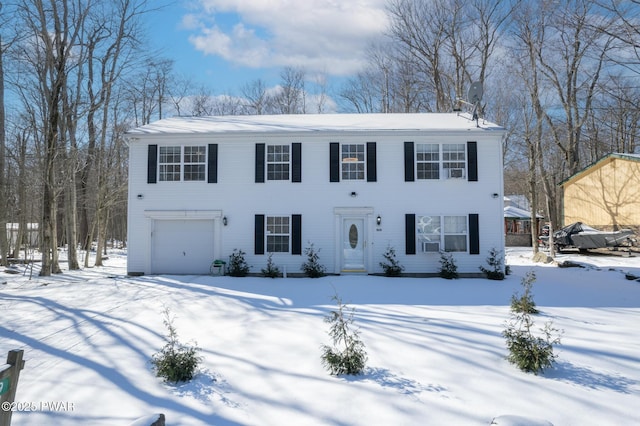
[(347, 355), (176, 362), (524, 302), (238, 266), (312, 267), (448, 267), (271, 271), (391, 266), (495, 270), (530, 353)]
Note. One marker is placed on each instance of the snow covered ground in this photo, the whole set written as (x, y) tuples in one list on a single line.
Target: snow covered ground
[(436, 353)]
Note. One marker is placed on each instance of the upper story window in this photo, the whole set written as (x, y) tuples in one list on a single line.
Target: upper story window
[(169, 163), (442, 233), (454, 160), (186, 163), (278, 162), (195, 161), (428, 160), (434, 161), (352, 162), (278, 233)]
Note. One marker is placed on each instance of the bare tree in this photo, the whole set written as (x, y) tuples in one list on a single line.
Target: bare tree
[(4, 246), (571, 58), (256, 96), (290, 99), (450, 42)]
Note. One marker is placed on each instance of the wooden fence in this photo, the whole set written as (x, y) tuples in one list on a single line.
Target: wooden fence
[(9, 375)]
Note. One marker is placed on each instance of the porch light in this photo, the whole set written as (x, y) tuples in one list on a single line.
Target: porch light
[(224, 221), (378, 220)]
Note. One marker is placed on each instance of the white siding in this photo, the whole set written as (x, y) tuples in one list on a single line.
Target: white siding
[(238, 198)]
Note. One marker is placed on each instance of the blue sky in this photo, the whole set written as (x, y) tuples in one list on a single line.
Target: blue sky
[(227, 43)]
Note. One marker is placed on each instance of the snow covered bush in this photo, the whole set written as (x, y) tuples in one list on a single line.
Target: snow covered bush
[(238, 266), (312, 267), (271, 271), (448, 267), (347, 355), (176, 362), (524, 302), (495, 270), (529, 352), (391, 266)]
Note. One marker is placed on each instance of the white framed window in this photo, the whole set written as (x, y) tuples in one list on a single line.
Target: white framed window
[(186, 163), (278, 232), (278, 161), (429, 233), (454, 161), (428, 160), (442, 233), (353, 161), (169, 163), (195, 162)]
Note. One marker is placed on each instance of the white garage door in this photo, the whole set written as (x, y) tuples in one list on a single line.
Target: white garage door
[(182, 246)]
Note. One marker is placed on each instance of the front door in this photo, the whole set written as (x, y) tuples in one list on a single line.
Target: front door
[(353, 245)]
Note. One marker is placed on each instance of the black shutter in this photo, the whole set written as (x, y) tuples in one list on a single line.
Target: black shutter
[(410, 233), (334, 162), (259, 234), (152, 164), (474, 234), (296, 234), (260, 148), (408, 162), (472, 161), (212, 163), (371, 162), (296, 162)]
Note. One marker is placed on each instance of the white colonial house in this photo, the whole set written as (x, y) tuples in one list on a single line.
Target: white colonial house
[(352, 185)]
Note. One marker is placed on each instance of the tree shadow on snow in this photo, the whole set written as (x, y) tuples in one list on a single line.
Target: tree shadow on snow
[(387, 379), (567, 372)]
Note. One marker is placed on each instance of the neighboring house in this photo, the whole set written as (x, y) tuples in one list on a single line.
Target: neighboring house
[(517, 221), (27, 236), (605, 195), (350, 184)]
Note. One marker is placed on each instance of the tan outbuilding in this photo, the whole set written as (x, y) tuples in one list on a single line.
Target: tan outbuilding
[(606, 194)]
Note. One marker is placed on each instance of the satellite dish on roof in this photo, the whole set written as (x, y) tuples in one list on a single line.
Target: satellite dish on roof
[(474, 97), (475, 92)]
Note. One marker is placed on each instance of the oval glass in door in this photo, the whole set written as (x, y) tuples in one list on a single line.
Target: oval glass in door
[(353, 245)]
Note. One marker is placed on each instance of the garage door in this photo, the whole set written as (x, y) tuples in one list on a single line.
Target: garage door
[(182, 246)]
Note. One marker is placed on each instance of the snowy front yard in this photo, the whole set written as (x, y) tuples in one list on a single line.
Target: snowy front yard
[(436, 353)]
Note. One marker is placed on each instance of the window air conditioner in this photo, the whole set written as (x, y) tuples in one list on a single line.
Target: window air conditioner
[(430, 246), (456, 173)]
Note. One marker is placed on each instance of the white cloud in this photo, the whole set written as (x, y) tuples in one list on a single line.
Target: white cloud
[(320, 35)]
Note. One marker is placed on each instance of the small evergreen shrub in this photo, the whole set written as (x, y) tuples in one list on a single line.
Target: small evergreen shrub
[(271, 271), (238, 266), (176, 362), (448, 267), (312, 267), (391, 266), (524, 303), (495, 269), (347, 355), (528, 352)]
